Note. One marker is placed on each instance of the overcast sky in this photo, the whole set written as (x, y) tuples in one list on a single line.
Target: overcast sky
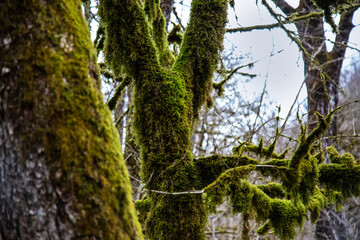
[(280, 62)]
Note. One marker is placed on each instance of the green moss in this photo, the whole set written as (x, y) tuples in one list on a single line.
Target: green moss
[(58, 84), (163, 113), (273, 190), (339, 177), (143, 206), (114, 100), (157, 24), (317, 202), (333, 155), (283, 215), (264, 229), (199, 52), (348, 160)]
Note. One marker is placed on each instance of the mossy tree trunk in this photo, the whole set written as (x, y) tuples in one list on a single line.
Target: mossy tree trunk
[(167, 99), (62, 175)]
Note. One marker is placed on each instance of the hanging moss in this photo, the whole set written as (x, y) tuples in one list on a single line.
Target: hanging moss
[(317, 202), (283, 215), (342, 178)]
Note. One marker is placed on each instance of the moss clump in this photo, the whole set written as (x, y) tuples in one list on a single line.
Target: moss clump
[(273, 190), (341, 178), (333, 155), (316, 203), (283, 215)]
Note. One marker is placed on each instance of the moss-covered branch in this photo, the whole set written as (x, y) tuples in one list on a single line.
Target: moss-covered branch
[(113, 101), (128, 44), (283, 215), (200, 48), (157, 24)]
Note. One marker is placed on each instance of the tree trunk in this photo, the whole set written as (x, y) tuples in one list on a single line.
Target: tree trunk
[(62, 175)]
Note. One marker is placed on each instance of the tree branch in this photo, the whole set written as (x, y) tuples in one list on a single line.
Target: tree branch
[(128, 42), (199, 51), (284, 6)]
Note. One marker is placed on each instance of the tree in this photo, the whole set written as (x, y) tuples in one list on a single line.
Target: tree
[(322, 68), (62, 172), (54, 93), (168, 94)]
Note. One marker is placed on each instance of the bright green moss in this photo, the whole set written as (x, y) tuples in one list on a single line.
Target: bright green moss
[(283, 215), (157, 24), (273, 190), (341, 178), (317, 202), (333, 155), (348, 160)]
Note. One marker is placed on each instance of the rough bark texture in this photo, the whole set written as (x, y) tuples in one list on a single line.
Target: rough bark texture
[(62, 174)]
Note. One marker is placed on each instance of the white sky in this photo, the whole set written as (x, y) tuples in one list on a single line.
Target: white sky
[(280, 62), (284, 70)]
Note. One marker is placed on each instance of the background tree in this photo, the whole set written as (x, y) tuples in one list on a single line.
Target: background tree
[(62, 174)]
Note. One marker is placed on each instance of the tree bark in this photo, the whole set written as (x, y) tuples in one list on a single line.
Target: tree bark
[(62, 175)]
